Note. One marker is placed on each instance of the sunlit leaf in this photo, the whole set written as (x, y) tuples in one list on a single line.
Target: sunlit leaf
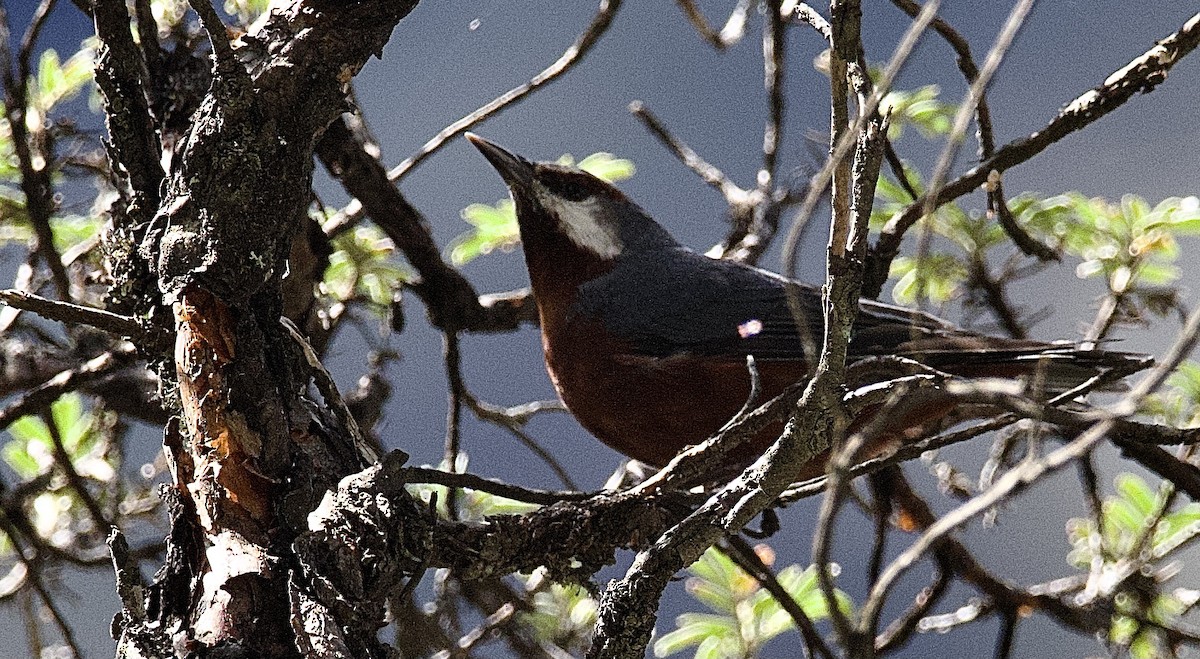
[(246, 11), (608, 167), (1138, 493)]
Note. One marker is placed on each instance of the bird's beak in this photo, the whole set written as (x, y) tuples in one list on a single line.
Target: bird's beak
[(516, 171)]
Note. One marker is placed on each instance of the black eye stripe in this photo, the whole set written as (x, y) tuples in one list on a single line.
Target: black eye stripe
[(569, 188)]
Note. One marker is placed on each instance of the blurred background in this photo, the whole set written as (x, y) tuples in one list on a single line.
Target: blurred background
[(446, 59)]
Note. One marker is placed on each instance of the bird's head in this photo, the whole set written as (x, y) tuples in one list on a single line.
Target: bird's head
[(591, 214)]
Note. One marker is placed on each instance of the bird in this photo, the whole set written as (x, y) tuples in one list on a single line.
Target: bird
[(645, 340)]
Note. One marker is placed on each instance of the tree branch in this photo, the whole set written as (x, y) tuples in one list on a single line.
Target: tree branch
[(1141, 75), (596, 29), (66, 312)]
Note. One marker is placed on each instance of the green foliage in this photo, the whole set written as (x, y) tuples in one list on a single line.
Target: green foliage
[(29, 452), (495, 226), (1125, 555), (1130, 244), (168, 15), (921, 108), (562, 615), (57, 81), (939, 275), (744, 615), (361, 269), (1178, 405), (246, 11), (54, 82)]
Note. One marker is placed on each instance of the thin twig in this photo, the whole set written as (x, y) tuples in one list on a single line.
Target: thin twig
[(572, 56), (498, 488), (66, 312), (1007, 633), (511, 419), (42, 395), (35, 181), (806, 14), (730, 34), (734, 195), (35, 580), (842, 148), (746, 558), (78, 483), (453, 443), (1030, 471), (131, 127), (987, 141), (217, 37), (29, 41), (897, 634), (476, 636), (774, 58), (1143, 74), (367, 453), (958, 130)]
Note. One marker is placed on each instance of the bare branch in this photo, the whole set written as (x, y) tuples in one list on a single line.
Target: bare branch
[(127, 112), (842, 148), (728, 35), (1016, 18), (1029, 472), (987, 141), (66, 312), (1142, 74), (734, 195), (498, 488), (581, 47), (347, 152), (70, 380), (805, 13)]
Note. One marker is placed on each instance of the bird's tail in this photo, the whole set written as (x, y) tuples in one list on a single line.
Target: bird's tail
[(1051, 367)]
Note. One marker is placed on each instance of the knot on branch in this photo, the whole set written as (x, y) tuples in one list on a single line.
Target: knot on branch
[(363, 539)]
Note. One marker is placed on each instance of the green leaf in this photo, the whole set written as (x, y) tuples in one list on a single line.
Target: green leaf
[(495, 227), (693, 629), (1138, 493), (16, 454), (1176, 528), (361, 268), (1158, 274), (1122, 516), (74, 229), (714, 595), (30, 429), (719, 647), (608, 167), (715, 567), (246, 11), (58, 81)]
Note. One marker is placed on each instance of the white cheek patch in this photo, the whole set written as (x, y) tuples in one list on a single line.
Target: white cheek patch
[(586, 224)]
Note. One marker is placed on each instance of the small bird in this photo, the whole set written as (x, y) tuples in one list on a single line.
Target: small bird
[(646, 341)]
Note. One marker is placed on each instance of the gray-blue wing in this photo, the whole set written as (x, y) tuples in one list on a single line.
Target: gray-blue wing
[(684, 302), (681, 302)]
